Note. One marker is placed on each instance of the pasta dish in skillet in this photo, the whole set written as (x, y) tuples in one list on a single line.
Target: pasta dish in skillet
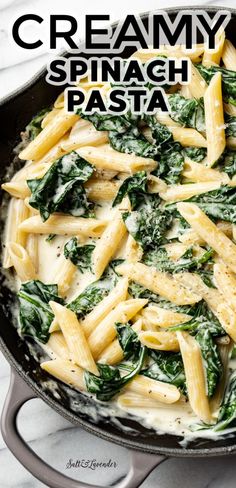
[(121, 231)]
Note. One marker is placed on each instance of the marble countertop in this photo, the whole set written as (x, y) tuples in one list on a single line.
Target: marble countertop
[(51, 436)]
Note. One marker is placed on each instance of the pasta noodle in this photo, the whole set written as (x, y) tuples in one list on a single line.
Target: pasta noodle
[(74, 337), (214, 116)]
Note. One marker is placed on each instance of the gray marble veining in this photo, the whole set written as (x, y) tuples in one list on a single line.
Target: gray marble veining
[(51, 436)]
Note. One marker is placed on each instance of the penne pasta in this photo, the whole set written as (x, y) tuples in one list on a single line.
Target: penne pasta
[(58, 346), (108, 244), (177, 51), (63, 225), (160, 317), (157, 390), (63, 275), (83, 133), (226, 283), (157, 282), (198, 173), (21, 261), (49, 136), (188, 137), (229, 55), (113, 353), (183, 192), (162, 340), (105, 332), (133, 251), (17, 213), (197, 85), (32, 249), (214, 117), (65, 371), (17, 189), (213, 56), (101, 190), (74, 337), (135, 305), (117, 295), (195, 376), (104, 157), (208, 231)]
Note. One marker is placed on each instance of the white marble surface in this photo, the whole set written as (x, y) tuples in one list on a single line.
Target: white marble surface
[(48, 434)]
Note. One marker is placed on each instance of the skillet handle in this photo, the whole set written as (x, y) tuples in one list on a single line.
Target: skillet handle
[(19, 392)]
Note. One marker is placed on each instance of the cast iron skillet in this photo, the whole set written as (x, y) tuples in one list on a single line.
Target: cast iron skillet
[(28, 380)]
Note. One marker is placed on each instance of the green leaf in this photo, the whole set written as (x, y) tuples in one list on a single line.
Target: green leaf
[(196, 154), (187, 112), (227, 414), (230, 121), (132, 141), (203, 319), (128, 339), (167, 367), (159, 258), (132, 186), (94, 292), (170, 163), (34, 128), (79, 255), (118, 123), (36, 315), (218, 204), (149, 223), (110, 382), (227, 162), (160, 133), (61, 188)]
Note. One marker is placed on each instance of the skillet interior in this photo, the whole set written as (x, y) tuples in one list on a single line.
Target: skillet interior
[(15, 113)]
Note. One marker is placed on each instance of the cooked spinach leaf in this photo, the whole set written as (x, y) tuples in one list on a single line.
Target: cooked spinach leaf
[(187, 112), (201, 322), (118, 123), (110, 381), (36, 315), (197, 154), (227, 162), (218, 204), (228, 80), (167, 367), (160, 133), (159, 258), (90, 297), (227, 413), (79, 255), (128, 339), (170, 163), (132, 141), (95, 292), (34, 127), (230, 120), (61, 188), (132, 186), (149, 223)]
